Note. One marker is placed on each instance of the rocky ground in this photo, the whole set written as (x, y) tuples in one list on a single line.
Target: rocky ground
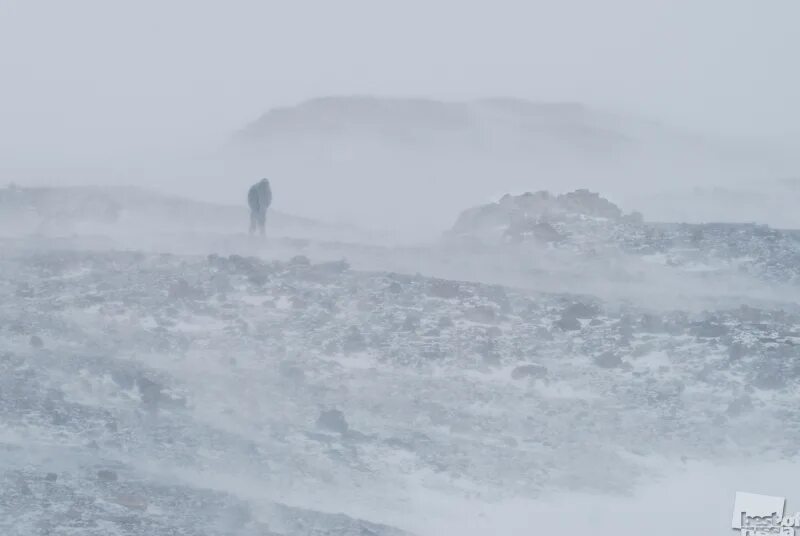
[(586, 225), (187, 379), (147, 393)]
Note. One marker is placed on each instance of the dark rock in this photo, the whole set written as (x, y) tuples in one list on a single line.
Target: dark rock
[(441, 288), (497, 295), (23, 488), (445, 322), (106, 475), (482, 314), (529, 371), (36, 342), (769, 378), (581, 310), (544, 334), (708, 329), (124, 378), (182, 290), (487, 349), (739, 405), (608, 360), (568, 323), (412, 322), (258, 277), (221, 283), (626, 331), (332, 420), (353, 341), (737, 351), (150, 392), (750, 314), (245, 265), (133, 502), (299, 260), (51, 477), (291, 372), (652, 324)]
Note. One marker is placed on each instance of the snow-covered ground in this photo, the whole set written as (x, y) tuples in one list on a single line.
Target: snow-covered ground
[(216, 383)]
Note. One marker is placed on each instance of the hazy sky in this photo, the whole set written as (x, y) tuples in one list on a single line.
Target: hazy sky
[(90, 78)]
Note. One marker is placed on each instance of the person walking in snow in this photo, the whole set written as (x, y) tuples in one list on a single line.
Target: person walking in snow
[(259, 198)]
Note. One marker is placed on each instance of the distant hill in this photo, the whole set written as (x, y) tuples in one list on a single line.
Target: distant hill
[(486, 125), (437, 156)]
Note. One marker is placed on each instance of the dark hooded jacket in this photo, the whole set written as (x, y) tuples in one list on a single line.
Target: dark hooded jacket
[(259, 197)]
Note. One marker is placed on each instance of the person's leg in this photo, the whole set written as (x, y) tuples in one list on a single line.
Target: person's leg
[(262, 222), (253, 221)]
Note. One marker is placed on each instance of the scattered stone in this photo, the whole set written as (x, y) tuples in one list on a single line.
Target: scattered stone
[(353, 341), (182, 290), (582, 311), (529, 371), (106, 475), (487, 349), (394, 287), (51, 477), (737, 351), (544, 333), (412, 322), (299, 260), (568, 323), (332, 420), (445, 322), (739, 406), (482, 314), (23, 488), (132, 502), (708, 329), (36, 342), (150, 392), (442, 288), (652, 324), (626, 331), (291, 372), (497, 295), (258, 277), (769, 378), (608, 359)]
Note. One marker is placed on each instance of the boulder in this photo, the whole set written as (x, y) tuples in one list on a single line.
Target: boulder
[(531, 370), (568, 323), (608, 359), (332, 420)]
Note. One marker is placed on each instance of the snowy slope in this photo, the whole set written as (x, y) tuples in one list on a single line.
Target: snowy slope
[(157, 393)]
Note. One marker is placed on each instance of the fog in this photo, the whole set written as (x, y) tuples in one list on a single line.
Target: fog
[(152, 94), (522, 267)]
